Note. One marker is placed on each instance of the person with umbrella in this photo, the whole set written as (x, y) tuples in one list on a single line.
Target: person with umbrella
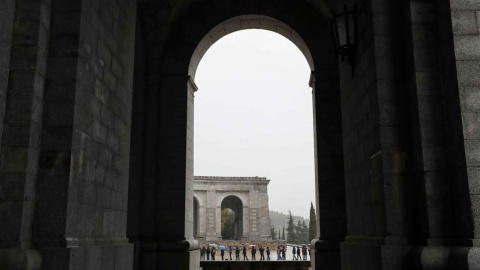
[(284, 251), (279, 253), (268, 253), (294, 251), (237, 253), (230, 251), (298, 254), (222, 251)]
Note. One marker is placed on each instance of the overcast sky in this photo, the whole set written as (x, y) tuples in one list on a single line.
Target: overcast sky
[(253, 116)]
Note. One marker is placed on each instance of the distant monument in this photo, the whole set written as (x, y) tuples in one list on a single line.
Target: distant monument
[(246, 196)]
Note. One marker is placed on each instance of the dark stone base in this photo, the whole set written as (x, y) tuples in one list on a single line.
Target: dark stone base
[(178, 260), (356, 256), (325, 255), (442, 257), (361, 256), (118, 257), (395, 257), (20, 259), (153, 255)]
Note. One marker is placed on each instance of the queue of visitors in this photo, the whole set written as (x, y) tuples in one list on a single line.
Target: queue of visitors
[(208, 252), (296, 253)]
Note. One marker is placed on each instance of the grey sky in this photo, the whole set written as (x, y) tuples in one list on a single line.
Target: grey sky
[(253, 116)]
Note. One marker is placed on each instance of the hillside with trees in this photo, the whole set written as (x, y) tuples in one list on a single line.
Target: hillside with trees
[(294, 229), (279, 219)]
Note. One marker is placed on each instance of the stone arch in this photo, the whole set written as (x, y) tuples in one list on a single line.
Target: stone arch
[(200, 199), (234, 203), (246, 22), (244, 224), (169, 99), (239, 195)]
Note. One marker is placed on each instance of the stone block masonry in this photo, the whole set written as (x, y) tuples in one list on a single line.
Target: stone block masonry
[(66, 78), (96, 128)]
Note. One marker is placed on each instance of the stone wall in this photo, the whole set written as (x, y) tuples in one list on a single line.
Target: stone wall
[(465, 17), (66, 131)]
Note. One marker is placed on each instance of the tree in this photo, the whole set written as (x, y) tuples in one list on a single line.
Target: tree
[(228, 224), (279, 234), (312, 228), (301, 231), (291, 236), (283, 235), (304, 233), (272, 233), (298, 232)]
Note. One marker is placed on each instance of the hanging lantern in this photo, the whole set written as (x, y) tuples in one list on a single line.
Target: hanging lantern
[(343, 29)]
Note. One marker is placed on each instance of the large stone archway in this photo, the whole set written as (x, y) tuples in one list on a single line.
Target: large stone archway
[(196, 29), (246, 196), (96, 125)]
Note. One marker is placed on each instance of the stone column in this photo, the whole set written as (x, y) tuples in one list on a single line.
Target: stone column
[(218, 222), (263, 214), (202, 222), (329, 171), (246, 223), (175, 247), (145, 235), (253, 215), (427, 118), (210, 214), (25, 26), (396, 200), (82, 188)]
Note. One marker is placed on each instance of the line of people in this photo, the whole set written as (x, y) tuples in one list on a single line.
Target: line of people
[(208, 253), (281, 253), (296, 253)]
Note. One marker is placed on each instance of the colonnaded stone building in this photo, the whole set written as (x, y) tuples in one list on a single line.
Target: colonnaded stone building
[(246, 196), (96, 129)]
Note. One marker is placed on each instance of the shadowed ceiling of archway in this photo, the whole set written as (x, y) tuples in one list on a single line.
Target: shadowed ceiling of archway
[(196, 25)]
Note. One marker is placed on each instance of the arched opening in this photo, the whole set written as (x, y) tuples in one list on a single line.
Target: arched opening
[(196, 221), (165, 114), (266, 126), (232, 218)]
